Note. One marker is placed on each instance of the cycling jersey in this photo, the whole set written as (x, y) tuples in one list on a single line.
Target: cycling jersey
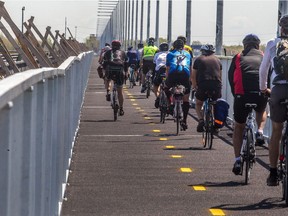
[(178, 61), (188, 49), (243, 73), (149, 52), (160, 60), (132, 57)]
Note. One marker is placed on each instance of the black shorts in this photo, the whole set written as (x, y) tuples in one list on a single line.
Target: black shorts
[(239, 109), (147, 65), (178, 78), (209, 89), (159, 76), (278, 111), (116, 74)]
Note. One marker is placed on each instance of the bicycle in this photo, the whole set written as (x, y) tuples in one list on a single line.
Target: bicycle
[(148, 83), (248, 152), (177, 97), (208, 116), (283, 158), (163, 101), (132, 76), (114, 100)]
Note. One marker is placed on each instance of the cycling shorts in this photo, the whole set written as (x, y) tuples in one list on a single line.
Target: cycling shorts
[(241, 112), (159, 76), (147, 65), (115, 74), (209, 88), (278, 111), (178, 78)]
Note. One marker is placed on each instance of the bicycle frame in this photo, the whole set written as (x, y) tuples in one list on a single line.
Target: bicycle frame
[(163, 102), (177, 95), (132, 76), (207, 135), (148, 82)]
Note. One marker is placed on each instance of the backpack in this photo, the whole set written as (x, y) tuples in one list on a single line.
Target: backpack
[(281, 58), (221, 109)]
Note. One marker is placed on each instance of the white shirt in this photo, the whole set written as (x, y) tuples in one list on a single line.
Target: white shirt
[(160, 59)]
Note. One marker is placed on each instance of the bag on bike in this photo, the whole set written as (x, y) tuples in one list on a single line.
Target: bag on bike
[(281, 58), (100, 72), (221, 109)]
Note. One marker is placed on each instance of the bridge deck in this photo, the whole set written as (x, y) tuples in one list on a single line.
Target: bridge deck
[(125, 167)]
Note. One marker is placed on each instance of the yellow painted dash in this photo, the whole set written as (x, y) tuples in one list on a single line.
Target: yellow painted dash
[(170, 147), (176, 156), (147, 118), (183, 169), (156, 131), (138, 108), (135, 104), (132, 99), (217, 212), (199, 188), (163, 139)]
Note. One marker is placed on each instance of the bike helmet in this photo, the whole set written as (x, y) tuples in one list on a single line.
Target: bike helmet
[(164, 47), (207, 48), (140, 45), (183, 38), (130, 48), (151, 41), (178, 44), (116, 44), (251, 39), (283, 22), (107, 44)]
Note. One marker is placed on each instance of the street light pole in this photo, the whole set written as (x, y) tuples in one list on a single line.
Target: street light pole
[(23, 9)]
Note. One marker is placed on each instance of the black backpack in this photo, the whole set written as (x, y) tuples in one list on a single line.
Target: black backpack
[(281, 58)]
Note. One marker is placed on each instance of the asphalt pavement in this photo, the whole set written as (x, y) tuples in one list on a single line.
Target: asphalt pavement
[(137, 166)]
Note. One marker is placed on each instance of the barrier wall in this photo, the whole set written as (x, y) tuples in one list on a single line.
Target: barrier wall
[(39, 119)]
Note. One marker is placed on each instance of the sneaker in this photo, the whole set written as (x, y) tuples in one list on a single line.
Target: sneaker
[(183, 125), (157, 102), (108, 97), (237, 168), (121, 111), (200, 126), (272, 180), (259, 139), (143, 89)]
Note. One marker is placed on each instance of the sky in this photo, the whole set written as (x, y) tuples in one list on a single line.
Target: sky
[(241, 17)]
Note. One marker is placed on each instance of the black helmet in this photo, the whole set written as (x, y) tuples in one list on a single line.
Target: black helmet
[(283, 22), (164, 47), (116, 44), (107, 44), (207, 48), (151, 41), (183, 38), (140, 45), (130, 48), (178, 44), (251, 39)]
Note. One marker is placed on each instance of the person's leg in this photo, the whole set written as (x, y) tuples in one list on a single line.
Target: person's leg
[(199, 112), (238, 138)]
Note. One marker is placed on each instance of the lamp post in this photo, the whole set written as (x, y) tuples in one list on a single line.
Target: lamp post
[(23, 9)]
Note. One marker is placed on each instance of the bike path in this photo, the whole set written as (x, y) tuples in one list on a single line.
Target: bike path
[(137, 166)]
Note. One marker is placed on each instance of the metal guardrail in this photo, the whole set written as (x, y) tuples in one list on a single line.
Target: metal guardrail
[(39, 118)]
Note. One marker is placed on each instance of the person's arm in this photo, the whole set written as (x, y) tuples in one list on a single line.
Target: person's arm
[(193, 79), (264, 67), (231, 74)]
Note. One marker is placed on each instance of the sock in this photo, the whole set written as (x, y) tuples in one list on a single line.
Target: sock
[(273, 171)]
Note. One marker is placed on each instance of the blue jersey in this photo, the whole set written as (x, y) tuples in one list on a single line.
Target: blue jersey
[(178, 61), (132, 56)]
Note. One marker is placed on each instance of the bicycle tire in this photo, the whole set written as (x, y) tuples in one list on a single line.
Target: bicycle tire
[(247, 158), (163, 105), (148, 88), (177, 117), (209, 130), (115, 105), (204, 142), (132, 80)]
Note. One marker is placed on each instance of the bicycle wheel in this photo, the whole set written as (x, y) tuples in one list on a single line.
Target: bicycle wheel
[(177, 117), (204, 143), (148, 85), (209, 130), (247, 158), (115, 105), (163, 106)]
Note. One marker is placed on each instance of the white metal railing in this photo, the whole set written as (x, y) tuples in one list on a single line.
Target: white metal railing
[(39, 119)]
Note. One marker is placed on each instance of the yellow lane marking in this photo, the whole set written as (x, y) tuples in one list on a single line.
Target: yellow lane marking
[(156, 131), (131, 96), (170, 147), (138, 108), (185, 169), (176, 156), (132, 99), (217, 212), (135, 104), (199, 188), (147, 118), (163, 139)]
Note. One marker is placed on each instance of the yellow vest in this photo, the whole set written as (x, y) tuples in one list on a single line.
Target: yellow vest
[(149, 51)]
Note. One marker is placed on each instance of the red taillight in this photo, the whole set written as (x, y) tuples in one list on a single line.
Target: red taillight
[(281, 158)]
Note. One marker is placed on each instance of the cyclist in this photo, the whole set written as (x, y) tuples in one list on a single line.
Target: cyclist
[(139, 52), (278, 92), (186, 47), (115, 63), (243, 76), (147, 60), (206, 79), (178, 71), (132, 60), (160, 69)]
